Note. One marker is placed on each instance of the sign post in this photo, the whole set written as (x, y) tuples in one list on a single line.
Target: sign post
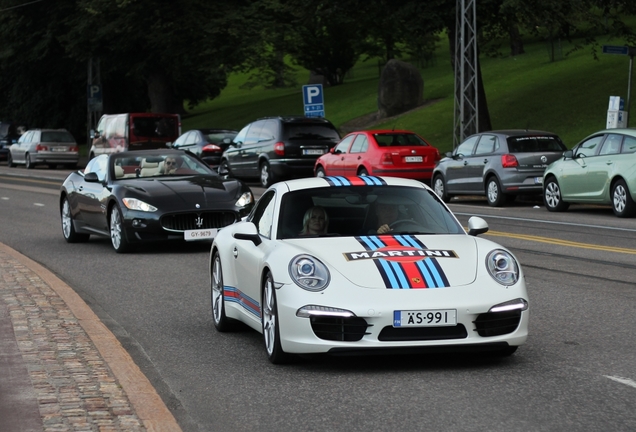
[(631, 52), (313, 100)]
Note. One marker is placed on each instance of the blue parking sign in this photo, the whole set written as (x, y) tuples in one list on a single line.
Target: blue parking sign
[(313, 100)]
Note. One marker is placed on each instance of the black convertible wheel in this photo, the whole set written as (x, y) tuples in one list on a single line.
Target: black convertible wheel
[(622, 202), (221, 322), (68, 229), (320, 172), (270, 322), (27, 161), (552, 196), (117, 234)]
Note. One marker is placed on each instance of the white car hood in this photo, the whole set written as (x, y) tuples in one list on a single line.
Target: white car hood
[(400, 261)]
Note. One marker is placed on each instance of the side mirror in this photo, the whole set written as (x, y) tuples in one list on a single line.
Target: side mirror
[(249, 232), (332, 150), (94, 134), (568, 154), (91, 177), (476, 226)]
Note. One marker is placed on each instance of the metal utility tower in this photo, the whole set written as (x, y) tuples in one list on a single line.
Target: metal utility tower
[(466, 116), (94, 96)]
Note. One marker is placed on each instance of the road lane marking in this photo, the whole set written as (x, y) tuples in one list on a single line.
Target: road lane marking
[(558, 242), (625, 381), (546, 222)]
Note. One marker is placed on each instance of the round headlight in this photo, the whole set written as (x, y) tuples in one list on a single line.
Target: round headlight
[(309, 273), (502, 267)]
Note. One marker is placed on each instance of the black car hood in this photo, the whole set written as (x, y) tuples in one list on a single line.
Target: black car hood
[(206, 191)]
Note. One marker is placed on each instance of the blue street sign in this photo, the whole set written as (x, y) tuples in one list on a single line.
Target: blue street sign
[(615, 49), (313, 100)]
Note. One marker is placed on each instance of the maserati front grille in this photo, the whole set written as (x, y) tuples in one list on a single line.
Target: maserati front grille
[(198, 220)]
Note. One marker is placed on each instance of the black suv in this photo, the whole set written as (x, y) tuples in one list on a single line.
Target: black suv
[(275, 148)]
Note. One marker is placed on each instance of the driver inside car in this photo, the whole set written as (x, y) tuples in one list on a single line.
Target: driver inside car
[(386, 214)]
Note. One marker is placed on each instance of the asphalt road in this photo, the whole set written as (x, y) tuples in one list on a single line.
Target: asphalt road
[(576, 372)]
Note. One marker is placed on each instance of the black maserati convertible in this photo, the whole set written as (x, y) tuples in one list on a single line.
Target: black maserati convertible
[(150, 195)]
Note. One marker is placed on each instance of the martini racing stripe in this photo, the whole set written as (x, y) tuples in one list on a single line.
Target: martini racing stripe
[(405, 273), (355, 181), (235, 295)]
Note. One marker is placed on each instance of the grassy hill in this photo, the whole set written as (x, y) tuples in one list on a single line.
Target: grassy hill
[(568, 96)]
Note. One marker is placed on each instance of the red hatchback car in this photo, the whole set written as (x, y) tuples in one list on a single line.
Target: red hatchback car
[(395, 153)]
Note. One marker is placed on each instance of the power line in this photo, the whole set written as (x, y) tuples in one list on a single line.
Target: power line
[(19, 6)]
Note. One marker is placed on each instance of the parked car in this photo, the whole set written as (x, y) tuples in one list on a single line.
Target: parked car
[(209, 144), (147, 196), (424, 285), (134, 131), (499, 164), (277, 148), (8, 135), (50, 147), (396, 153), (601, 169)]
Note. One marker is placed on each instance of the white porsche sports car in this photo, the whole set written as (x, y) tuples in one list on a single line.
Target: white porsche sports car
[(318, 268)]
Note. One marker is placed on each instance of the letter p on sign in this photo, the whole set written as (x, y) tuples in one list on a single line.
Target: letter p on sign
[(312, 94)]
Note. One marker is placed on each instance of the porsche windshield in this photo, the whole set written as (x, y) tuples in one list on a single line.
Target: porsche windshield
[(364, 210)]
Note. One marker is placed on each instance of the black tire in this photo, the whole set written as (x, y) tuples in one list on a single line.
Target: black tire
[(71, 166), (27, 161), (117, 233), (52, 166), (320, 172), (266, 175), (622, 203), (10, 160), (494, 195), (552, 196), (362, 172), (439, 187), (270, 323), (68, 227), (217, 295), (224, 168)]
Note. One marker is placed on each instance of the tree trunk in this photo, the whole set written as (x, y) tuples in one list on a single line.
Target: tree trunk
[(160, 94), (516, 44)]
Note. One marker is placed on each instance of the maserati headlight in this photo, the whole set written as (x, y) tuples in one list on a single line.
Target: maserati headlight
[(502, 267), (245, 199), (309, 273), (135, 204)]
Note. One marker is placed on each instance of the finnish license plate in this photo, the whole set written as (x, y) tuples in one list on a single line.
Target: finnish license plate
[(313, 151), (413, 159), (538, 180), (425, 318), (200, 234)]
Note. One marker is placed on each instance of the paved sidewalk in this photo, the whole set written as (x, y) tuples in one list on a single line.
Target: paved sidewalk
[(61, 369)]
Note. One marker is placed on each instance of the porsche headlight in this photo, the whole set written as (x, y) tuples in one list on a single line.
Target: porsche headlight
[(502, 267), (245, 199), (309, 273), (139, 205)]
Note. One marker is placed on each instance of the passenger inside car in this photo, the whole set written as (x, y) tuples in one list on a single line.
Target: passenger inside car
[(315, 222)]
